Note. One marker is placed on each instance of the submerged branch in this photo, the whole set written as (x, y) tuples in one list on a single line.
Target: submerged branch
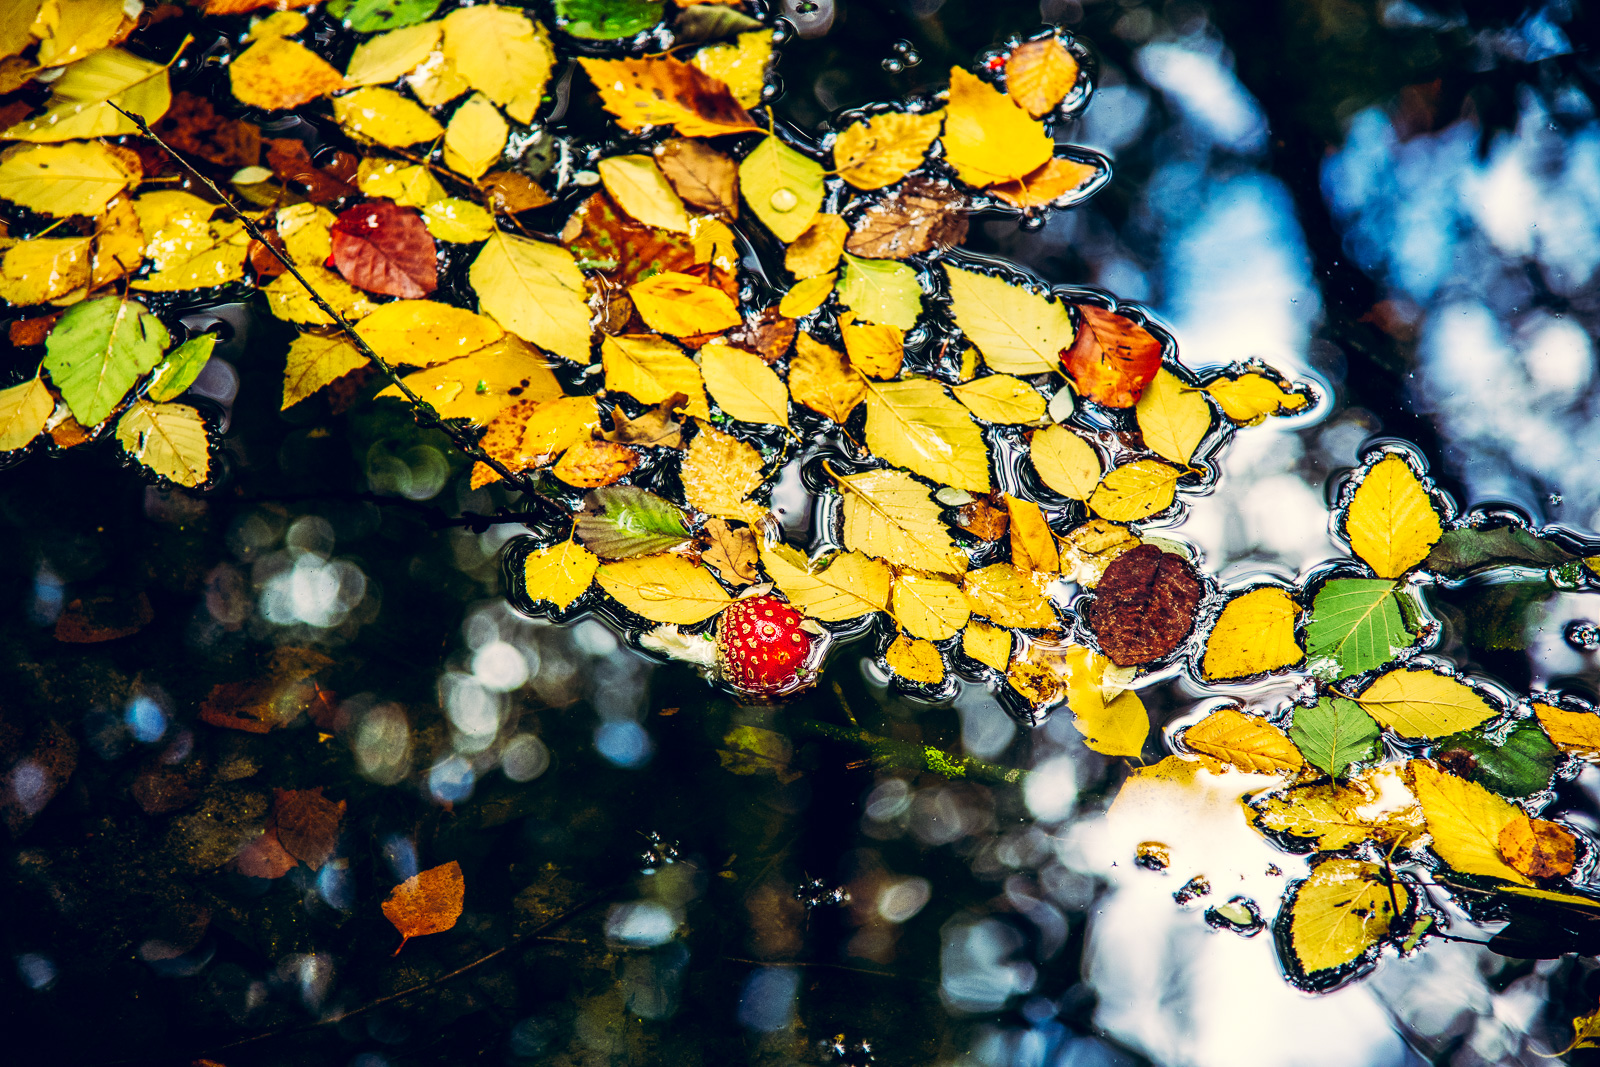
[(887, 752)]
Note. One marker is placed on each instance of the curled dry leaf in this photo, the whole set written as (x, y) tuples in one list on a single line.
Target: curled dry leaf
[(426, 903), (702, 176), (1144, 606), (767, 333), (655, 428)]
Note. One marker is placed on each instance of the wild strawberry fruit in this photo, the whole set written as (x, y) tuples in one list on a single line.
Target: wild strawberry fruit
[(760, 645)]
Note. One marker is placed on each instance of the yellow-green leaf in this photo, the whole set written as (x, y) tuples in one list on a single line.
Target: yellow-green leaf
[(888, 514), (535, 290), (928, 607), (807, 296), (1172, 417), (1135, 490), (1421, 703), (1254, 634), (456, 220), (1341, 912), (170, 439), (783, 188), (881, 290), (1018, 332), (1391, 523), (1065, 462), (916, 425), (848, 585), (664, 588), (744, 386), (1465, 820)]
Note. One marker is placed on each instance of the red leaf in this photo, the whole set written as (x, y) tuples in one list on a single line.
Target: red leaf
[(307, 824), (1112, 359), (1144, 606), (384, 248), (290, 161), (265, 857)]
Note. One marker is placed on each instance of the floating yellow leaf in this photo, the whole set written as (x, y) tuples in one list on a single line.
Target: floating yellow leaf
[(408, 185), (822, 379), (806, 296), (386, 117), (1049, 184), (169, 439), (24, 410), (288, 299), (665, 92), (1421, 703), (741, 65), (1576, 733), (1048, 673), (502, 53), (535, 290), (1465, 820), (664, 588), (73, 30), (744, 386), (476, 137), (848, 585), (928, 607), (719, 473), (1391, 523), (1377, 805), (274, 74), (783, 188), (590, 464), (315, 361), (1172, 417), (1066, 462), (987, 137), (888, 514), (1008, 596), (555, 426), (1040, 73), (1254, 634), (478, 386), (651, 369), (681, 304), (388, 56), (1002, 399), (640, 189), (1340, 912), (77, 178), (33, 272), (456, 220), (428, 902), (916, 424), (1135, 490), (874, 349), (1017, 331), (201, 255), (915, 661), (1251, 397), (1033, 543), (559, 573), (989, 645), (882, 149), (80, 100), (118, 243), (1249, 743), (421, 333), (816, 252)]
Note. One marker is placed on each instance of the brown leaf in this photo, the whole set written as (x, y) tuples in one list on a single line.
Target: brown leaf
[(307, 824), (1538, 848), (193, 127), (103, 618), (1112, 359), (384, 248), (983, 520), (602, 237), (265, 857), (920, 215), (767, 333), (266, 265), (655, 428), (291, 162), (591, 464), (732, 552), (426, 903), (69, 433), (510, 192), (658, 92), (1144, 606), (702, 176), (34, 779), (25, 332)]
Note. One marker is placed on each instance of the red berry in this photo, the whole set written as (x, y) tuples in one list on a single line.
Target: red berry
[(760, 645)]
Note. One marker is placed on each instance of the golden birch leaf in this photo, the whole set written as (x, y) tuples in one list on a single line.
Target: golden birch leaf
[(1377, 804), (1251, 744), (1341, 912), (1466, 820), (987, 137), (664, 588), (928, 607), (68, 32), (458, 221), (807, 296), (559, 573), (888, 514), (640, 189), (651, 369), (741, 65), (881, 150), (118, 243), (1039, 74), (1135, 490), (590, 464), (1000, 398), (1577, 733), (214, 254), (846, 586), (1009, 597), (744, 386), (1172, 417), (816, 252), (502, 53), (36, 271), (1048, 673), (275, 74), (1065, 462), (475, 138), (288, 299), (306, 230), (681, 304), (1251, 397), (874, 349), (1017, 331), (1391, 523), (170, 439), (915, 661), (555, 426), (783, 187), (1421, 703), (719, 473), (387, 57), (385, 117), (1089, 549), (989, 645), (422, 333), (665, 92), (24, 410), (478, 386), (916, 425), (408, 185), (76, 178), (80, 100), (314, 361), (1254, 634), (822, 379), (1033, 543), (535, 290)]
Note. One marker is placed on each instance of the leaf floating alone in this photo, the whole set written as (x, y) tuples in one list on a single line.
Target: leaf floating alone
[(1040, 73), (665, 92), (1341, 913), (1391, 523), (426, 903), (1334, 733), (1421, 703), (1112, 359), (1250, 398), (307, 824), (385, 249), (1254, 634)]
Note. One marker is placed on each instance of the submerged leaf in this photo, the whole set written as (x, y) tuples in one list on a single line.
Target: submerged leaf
[(426, 903)]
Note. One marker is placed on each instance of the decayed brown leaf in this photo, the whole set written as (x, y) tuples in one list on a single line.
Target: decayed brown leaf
[(307, 824), (426, 903), (767, 333), (510, 192), (265, 857), (1112, 359), (193, 127), (921, 214), (1144, 605), (655, 427), (704, 177), (732, 552), (291, 162)]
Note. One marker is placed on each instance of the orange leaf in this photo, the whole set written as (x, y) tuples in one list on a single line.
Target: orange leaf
[(662, 92), (591, 464), (1049, 183), (426, 903), (1538, 848), (1039, 74), (1112, 359)]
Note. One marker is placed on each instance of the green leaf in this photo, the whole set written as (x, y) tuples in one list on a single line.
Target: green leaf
[(98, 349), (621, 522), (707, 22), (881, 291), (783, 188), (754, 750), (1334, 733), (607, 20), (181, 367), (1355, 626), (1517, 767), (1466, 549), (371, 16), (1499, 617)]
